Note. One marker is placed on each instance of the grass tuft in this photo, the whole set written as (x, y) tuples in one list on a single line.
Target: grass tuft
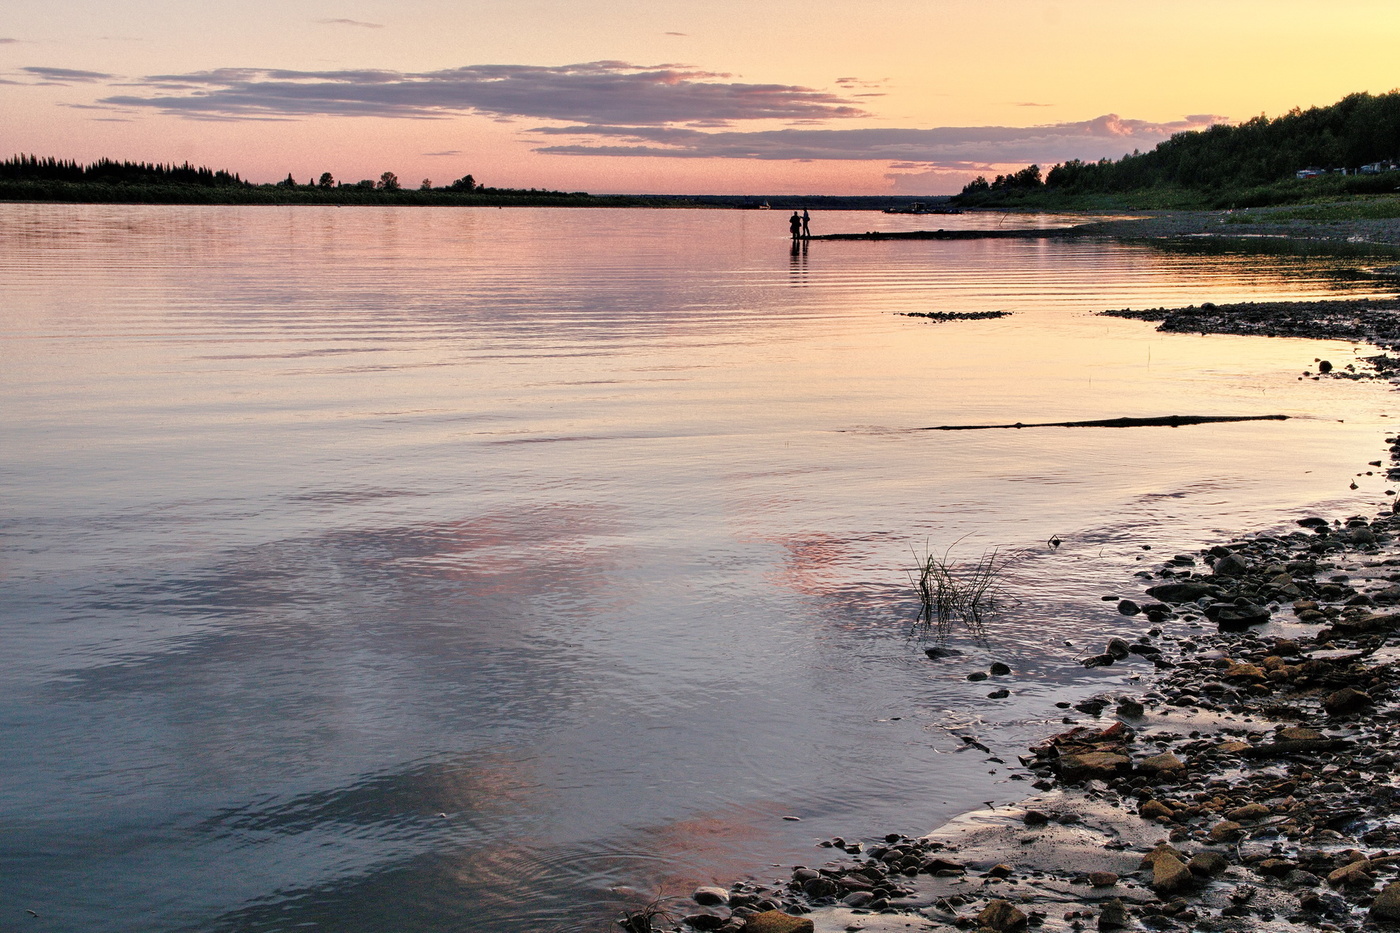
[(950, 592)]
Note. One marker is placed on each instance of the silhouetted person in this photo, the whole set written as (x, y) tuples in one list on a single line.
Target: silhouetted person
[(806, 225), (795, 225)]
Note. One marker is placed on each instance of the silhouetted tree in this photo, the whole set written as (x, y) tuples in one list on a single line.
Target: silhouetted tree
[(465, 183), (288, 182), (427, 185), (388, 182), (327, 180)]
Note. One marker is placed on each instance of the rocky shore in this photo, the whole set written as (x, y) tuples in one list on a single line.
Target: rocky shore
[(1251, 782)]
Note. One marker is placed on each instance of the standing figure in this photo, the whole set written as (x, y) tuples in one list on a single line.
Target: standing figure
[(795, 225), (806, 225)]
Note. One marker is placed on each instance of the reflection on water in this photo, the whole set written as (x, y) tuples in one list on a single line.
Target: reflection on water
[(490, 570)]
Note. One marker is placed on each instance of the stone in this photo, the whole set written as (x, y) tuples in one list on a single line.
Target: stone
[(1297, 734), (1103, 879), (820, 887), (1232, 565), (1000, 694), (1163, 763), (1162, 849), (1236, 617), (1155, 810), (1002, 916), (999, 669), (1386, 906), (1170, 874), (1248, 813), (775, 921), (1181, 592), (1356, 875), (1128, 608), (977, 675), (1346, 700), (1225, 831), (1130, 708), (710, 896), (1091, 765), (1113, 915), (1118, 648), (1207, 863), (704, 922)]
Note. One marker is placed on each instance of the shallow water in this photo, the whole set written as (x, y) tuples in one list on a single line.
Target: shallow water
[(490, 570)]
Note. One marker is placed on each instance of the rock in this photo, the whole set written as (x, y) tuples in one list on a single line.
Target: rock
[(1297, 734), (1002, 916), (710, 896), (857, 898), (1036, 818), (1346, 700), (1118, 648), (1386, 906), (999, 669), (1170, 874), (1276, 867), (775, 921), (1181, 592), (1128, 608), (1113, 915), (1207, 863), (1248, 813), (1099, 660), (1158, 764), (704, 921), (1155, 810), (1356, 875), (1001, 694), (1225, 831), (1236, 617), (1103, 879), (1100, 765), (1232, 565), (977, 675), (1162, 849), (1130, 708), (820, 887)]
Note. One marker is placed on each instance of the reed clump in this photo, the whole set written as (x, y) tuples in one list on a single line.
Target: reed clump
[(950, 592)]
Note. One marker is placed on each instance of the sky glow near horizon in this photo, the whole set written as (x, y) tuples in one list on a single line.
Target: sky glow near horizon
[(665, 96)]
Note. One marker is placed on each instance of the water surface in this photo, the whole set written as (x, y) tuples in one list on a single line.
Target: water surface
[(490, 570)]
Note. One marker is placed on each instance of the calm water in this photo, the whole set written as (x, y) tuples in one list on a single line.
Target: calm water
[(491, 570)]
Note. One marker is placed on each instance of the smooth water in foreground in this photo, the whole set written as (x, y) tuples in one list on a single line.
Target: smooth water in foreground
[(469, 569)]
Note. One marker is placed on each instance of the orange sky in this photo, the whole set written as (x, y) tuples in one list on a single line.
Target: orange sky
[(894, 96)]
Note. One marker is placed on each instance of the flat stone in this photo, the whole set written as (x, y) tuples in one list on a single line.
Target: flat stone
[(1100, 765), (1002, 916), (1181, 592), (775, 921), (1103, 879)]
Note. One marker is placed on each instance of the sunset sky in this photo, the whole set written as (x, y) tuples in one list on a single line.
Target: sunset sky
[(665, 96)]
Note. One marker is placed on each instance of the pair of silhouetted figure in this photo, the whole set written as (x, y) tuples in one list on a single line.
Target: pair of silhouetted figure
[(800, 225)]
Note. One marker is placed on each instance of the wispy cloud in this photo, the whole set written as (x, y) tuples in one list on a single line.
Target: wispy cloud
[(350, 22), (65, 75), (1106, 136), (604, 93), (445, 152), (5, 40)]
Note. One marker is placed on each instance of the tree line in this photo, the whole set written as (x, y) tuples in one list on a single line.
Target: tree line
[(1360, 129)]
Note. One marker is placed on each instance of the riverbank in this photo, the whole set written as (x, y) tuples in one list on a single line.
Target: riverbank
[(1296, 226), (1247, 782)]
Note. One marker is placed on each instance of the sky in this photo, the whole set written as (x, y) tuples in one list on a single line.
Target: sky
[(911, 97)]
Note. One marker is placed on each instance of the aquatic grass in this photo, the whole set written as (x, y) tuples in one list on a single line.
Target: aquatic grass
[(950, 591), (643, 920)]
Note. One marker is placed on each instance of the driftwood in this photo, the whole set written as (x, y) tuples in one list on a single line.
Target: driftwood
[(1165, 421)]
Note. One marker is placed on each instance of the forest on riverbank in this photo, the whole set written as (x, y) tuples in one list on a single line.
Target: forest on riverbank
[(1349, 148)]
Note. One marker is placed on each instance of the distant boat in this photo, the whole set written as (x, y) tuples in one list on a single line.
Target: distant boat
[(919, 207), (765, 206)]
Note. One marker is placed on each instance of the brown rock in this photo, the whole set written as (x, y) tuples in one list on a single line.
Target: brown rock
[(1155, 810), (1233, 747), (1240, 671), (1113, 915), (775, 921), (1225, 831), (1297, 734), (1162, 849), (1346, 700), (1386, 906), (1170, 874), (1207, 863), (1356, 875), (1158, 764), (1248, 813), (1103, 879), (1002, 870), (1002, 916), (1100, 765)]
